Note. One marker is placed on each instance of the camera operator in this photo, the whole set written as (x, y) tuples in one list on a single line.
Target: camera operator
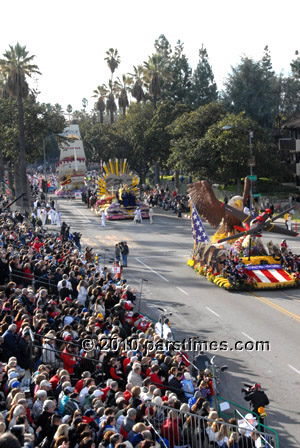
[(256, 397), (76, 237)]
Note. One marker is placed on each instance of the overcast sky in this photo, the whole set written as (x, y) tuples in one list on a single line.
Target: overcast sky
[(69, 38)]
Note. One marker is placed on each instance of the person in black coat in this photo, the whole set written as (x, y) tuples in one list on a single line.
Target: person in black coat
[(175, 386), (44, 421), (24, 351), (257, 398), (10, 346)]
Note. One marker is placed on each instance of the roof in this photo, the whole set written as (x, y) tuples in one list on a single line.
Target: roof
[(295, 123)]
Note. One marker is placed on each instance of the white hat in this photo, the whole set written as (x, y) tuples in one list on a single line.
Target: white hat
[(98, 393), (41, 393), (158, 401), (65, 418), (250, 417), (45, 383), (187, 376)]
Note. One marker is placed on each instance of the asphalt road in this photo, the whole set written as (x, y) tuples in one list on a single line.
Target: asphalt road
[(157, 264)]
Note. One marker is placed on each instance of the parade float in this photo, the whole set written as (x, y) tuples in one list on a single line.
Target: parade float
[(118, 192), (236, 258), (72, 163)]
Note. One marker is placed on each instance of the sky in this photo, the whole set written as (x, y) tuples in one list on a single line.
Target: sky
[(70, 38)]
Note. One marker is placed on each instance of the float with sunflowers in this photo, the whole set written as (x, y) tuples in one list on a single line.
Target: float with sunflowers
[(118, 192), (235, 258)]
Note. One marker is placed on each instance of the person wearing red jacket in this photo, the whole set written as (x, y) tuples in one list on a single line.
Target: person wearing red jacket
[(127, 360), (155, 379), (114, 374), (105, 392), (80, 383), (127, 393), (69, 359), (170, 430)]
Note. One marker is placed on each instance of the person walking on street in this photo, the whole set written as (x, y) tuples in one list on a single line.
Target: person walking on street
[(124, 251), (151, 214), (117, 253)]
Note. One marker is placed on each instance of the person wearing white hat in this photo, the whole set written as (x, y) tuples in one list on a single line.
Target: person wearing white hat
[(247, 425)]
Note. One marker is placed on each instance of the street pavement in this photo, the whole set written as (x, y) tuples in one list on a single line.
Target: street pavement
[(157, 267)]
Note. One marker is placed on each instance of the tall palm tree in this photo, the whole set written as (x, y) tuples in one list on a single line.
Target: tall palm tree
[(17, 66), (69, 111), (100, 93), (154, 73), (111, 106), (113, 60), (137, 89), (122, 87)]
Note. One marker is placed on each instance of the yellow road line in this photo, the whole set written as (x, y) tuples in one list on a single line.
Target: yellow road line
[(276, 307)]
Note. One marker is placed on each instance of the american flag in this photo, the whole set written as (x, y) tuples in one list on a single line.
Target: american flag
[(199, 233)]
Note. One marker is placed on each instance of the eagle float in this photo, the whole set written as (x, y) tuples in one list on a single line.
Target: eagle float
[(207, 205)]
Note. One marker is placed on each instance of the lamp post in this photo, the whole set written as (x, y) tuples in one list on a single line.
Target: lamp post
[(251, 161)]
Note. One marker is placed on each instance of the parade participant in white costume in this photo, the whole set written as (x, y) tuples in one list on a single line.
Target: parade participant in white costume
[(103, 223), (52, 216), (44, 216), (57, 217), (151, 214)]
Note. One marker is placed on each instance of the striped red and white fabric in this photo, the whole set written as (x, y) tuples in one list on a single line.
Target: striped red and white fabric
[(269, 275)]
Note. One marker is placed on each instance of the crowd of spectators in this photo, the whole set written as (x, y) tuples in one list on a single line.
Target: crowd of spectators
[(167, 198), (75, 369)]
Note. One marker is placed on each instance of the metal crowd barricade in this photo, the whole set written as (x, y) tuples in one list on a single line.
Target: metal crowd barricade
[(183, 429)]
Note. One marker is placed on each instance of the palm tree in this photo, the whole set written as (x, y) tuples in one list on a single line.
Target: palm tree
[(154, 73), (100, 93), (113, 60), (122, 86), (16, 66), (111, 106), (69, 111), (137, 89)]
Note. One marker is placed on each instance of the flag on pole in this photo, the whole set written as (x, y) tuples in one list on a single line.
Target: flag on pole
[(199, 233)]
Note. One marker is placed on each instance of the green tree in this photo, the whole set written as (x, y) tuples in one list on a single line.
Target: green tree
[(132, 135), (178, 84), (186, 132), (204, 88), (16, 66), (158, 133), (290, 91), (253, 88), (229, 150)]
